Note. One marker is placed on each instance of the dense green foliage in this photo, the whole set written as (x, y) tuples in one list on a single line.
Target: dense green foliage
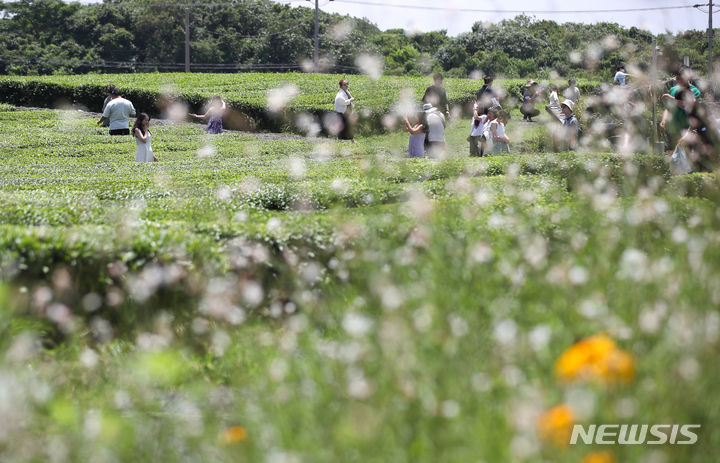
[(339, 302), (51, 36)]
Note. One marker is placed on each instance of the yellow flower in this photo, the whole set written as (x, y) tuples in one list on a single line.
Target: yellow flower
[(596, 357), (233, 434), (555, 425), (599, 457), (622, 366)]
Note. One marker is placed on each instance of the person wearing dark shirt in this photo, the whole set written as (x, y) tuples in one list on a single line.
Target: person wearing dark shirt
[(485, 98), (436, 95), (108, 99), (530, 94), (701, 138)]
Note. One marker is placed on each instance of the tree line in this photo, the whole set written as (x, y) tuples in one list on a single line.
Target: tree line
[(51, 36)]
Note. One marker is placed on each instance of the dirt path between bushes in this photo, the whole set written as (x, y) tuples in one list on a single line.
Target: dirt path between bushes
[(263, 136)]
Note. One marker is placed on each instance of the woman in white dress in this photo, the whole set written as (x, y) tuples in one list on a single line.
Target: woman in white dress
[(141, 132)]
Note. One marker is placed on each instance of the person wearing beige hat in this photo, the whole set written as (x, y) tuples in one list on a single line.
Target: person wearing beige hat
[(570, 123)]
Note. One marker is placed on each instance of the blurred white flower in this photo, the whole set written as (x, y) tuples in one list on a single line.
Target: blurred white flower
[(450, 409), (582, 401), (252, 293), (342, 29), (177, 111), (296, 167), (633, 265), (278, 369), (206, 151), (539, 337), (505, 332), (89, 358), (358, 386), (278, 98), (370, 65), (357, 324)]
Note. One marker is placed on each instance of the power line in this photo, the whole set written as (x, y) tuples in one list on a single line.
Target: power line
[(196, 5), (474, 10)]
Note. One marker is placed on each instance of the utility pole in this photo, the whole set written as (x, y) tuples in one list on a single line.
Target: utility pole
[(653, 94), (316, 54), (710, 38), (317, 34), (187, 40)]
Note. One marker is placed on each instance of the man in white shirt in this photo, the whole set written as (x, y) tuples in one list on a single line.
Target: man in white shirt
[(118, 111), (620, 76), (343, 106), (436, 130), (572, 92)]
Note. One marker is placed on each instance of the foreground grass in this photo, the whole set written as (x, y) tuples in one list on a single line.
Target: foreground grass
[(296, 300)]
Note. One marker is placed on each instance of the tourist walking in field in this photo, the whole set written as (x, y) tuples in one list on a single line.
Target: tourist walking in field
[(683, 79), (530, 94), (621, 76), (486, 139), (571, 125), (501, 143), (702, 139), (554, 99), (214, 115), (436, 95), (477, 125), (572, 92), (436, 131), (344, 107), (675, 119), (141, 132), (118, 111), (108, 99), (417, 130), (486, 98)]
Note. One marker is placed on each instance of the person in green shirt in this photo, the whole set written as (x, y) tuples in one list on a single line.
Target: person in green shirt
[(675, 119), (683, 77)]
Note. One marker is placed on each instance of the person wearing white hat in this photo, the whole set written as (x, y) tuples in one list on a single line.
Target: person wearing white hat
[(436, 130), (570, 123)]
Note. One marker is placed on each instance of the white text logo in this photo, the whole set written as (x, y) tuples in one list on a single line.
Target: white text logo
[(635, 434)]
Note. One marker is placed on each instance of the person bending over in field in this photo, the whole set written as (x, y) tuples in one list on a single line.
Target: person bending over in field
[(118, 111), (214, 115), (530, 94), (141, 132)]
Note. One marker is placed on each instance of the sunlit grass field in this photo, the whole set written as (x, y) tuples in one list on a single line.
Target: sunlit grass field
[(250, 298)]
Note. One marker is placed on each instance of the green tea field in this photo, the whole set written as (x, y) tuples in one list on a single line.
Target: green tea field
[(276, 298), (271, 101)]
